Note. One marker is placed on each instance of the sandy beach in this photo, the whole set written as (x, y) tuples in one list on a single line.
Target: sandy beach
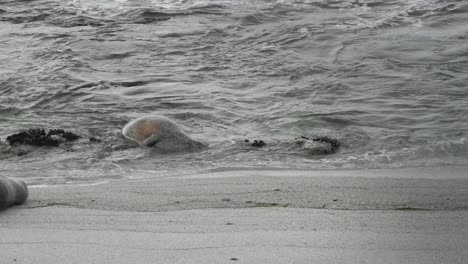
[(357, 216)]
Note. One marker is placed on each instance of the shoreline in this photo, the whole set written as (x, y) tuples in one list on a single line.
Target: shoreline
[(426, 172), (402, 189), (245, 217)]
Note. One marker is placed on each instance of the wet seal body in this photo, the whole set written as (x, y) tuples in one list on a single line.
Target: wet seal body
[(12, 192), (160, 132)]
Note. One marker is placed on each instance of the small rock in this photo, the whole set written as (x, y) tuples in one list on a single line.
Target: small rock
[(258, 143), (93, 139)]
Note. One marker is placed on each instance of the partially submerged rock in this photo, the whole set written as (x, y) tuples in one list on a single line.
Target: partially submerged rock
[(258, 143), (318, 145), (39, 137), (310, 145)]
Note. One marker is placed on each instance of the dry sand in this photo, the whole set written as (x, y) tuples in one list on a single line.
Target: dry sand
[(363, 216)]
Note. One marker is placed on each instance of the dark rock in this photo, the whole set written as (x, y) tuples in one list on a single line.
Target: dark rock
[(334, 143), (69, 136), (39, 137), (258, 143), (93, 139)]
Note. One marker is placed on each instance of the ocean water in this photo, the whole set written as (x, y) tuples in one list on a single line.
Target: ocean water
[(388, 78)]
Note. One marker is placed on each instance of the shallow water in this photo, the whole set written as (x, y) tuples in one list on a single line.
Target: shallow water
[(387, 78)]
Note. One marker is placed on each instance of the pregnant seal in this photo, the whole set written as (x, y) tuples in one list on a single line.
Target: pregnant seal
[(160, 132), (12, 192)]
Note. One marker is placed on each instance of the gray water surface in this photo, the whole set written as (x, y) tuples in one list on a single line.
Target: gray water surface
[(387, 78)]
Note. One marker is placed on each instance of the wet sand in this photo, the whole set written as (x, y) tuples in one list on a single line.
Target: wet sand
[(362, 216)]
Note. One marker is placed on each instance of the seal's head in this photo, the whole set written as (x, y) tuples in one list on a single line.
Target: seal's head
[(161, 132)]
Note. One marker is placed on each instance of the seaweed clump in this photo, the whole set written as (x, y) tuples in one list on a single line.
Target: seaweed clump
[(39, 137)]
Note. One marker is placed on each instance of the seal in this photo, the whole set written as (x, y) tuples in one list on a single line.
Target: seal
[(12, 192), (160, 132)]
